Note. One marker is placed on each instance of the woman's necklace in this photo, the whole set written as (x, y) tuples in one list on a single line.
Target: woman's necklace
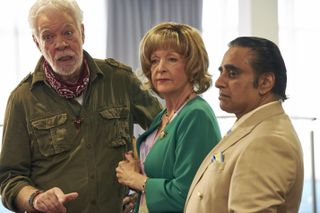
[(165, 121), (168, 117)]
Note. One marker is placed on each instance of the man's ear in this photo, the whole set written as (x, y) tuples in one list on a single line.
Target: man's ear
[(266, 83), (36, 41), (82, 33)]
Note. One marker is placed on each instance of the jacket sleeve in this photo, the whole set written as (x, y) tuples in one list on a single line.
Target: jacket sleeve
[(196, 135), (144, 106), (15, 158)]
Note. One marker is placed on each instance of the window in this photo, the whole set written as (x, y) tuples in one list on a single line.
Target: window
[(219, 26), (299, 33)]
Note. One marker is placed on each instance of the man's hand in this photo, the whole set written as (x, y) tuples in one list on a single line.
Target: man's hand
[(52, 200), (128, 202)]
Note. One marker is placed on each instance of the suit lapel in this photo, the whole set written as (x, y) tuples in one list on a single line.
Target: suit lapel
[(224, 144)]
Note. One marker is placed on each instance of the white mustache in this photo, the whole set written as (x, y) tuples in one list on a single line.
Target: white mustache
[(67, 53)]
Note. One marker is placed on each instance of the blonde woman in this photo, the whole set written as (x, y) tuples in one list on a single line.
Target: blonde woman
[(174, 59)]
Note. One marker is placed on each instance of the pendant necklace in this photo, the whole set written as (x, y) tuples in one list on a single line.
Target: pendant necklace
[(166, 119)]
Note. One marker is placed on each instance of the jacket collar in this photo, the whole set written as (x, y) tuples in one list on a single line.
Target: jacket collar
[(39, 76), (248, 125)]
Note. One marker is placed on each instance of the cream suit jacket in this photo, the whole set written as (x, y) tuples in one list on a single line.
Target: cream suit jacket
[(256, 168)]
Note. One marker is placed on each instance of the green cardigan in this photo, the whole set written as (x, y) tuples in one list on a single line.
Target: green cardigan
[(174, 159)]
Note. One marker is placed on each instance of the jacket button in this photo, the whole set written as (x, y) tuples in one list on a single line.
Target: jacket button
[(200, 195)]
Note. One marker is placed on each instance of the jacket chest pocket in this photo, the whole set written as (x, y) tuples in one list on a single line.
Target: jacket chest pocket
[(115, 126), (50, 134)]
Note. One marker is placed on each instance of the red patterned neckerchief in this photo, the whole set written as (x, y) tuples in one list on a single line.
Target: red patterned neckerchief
[(64, 89)]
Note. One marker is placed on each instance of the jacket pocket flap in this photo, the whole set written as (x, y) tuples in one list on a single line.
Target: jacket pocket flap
[(115, 113), (48, 123), (118, 142)]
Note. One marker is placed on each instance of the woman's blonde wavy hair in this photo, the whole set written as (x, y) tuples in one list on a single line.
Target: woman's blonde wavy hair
[(186, 41)]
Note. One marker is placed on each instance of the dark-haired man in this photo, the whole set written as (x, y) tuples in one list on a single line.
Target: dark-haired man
[(258, 165)]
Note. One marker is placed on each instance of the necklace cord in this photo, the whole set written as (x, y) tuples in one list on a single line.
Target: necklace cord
[(168, 117)]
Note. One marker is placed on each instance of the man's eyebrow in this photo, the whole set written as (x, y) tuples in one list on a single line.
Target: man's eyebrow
[(45, 31), (229, 67)]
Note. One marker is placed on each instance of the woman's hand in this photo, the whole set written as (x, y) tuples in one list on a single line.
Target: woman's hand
[(128, 172)]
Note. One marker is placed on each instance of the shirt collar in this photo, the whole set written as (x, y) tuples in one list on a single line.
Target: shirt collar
[(248, 114)]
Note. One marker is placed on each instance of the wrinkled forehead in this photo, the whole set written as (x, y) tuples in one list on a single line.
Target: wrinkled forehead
[(52, 13), (51, 19)]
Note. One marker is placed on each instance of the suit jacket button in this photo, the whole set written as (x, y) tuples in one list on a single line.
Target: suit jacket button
[(200, 195)]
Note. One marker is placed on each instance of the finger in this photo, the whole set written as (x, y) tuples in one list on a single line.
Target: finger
[(59, 207), (120, 180), (118, 169), (70, 196), (128, 208), (130, 152), (51, 206), (120, 164), (60, 196), (58, 192), (55, 205), (126, 200), (134, 196), (118, 173), (129, 156), (40, 206)]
